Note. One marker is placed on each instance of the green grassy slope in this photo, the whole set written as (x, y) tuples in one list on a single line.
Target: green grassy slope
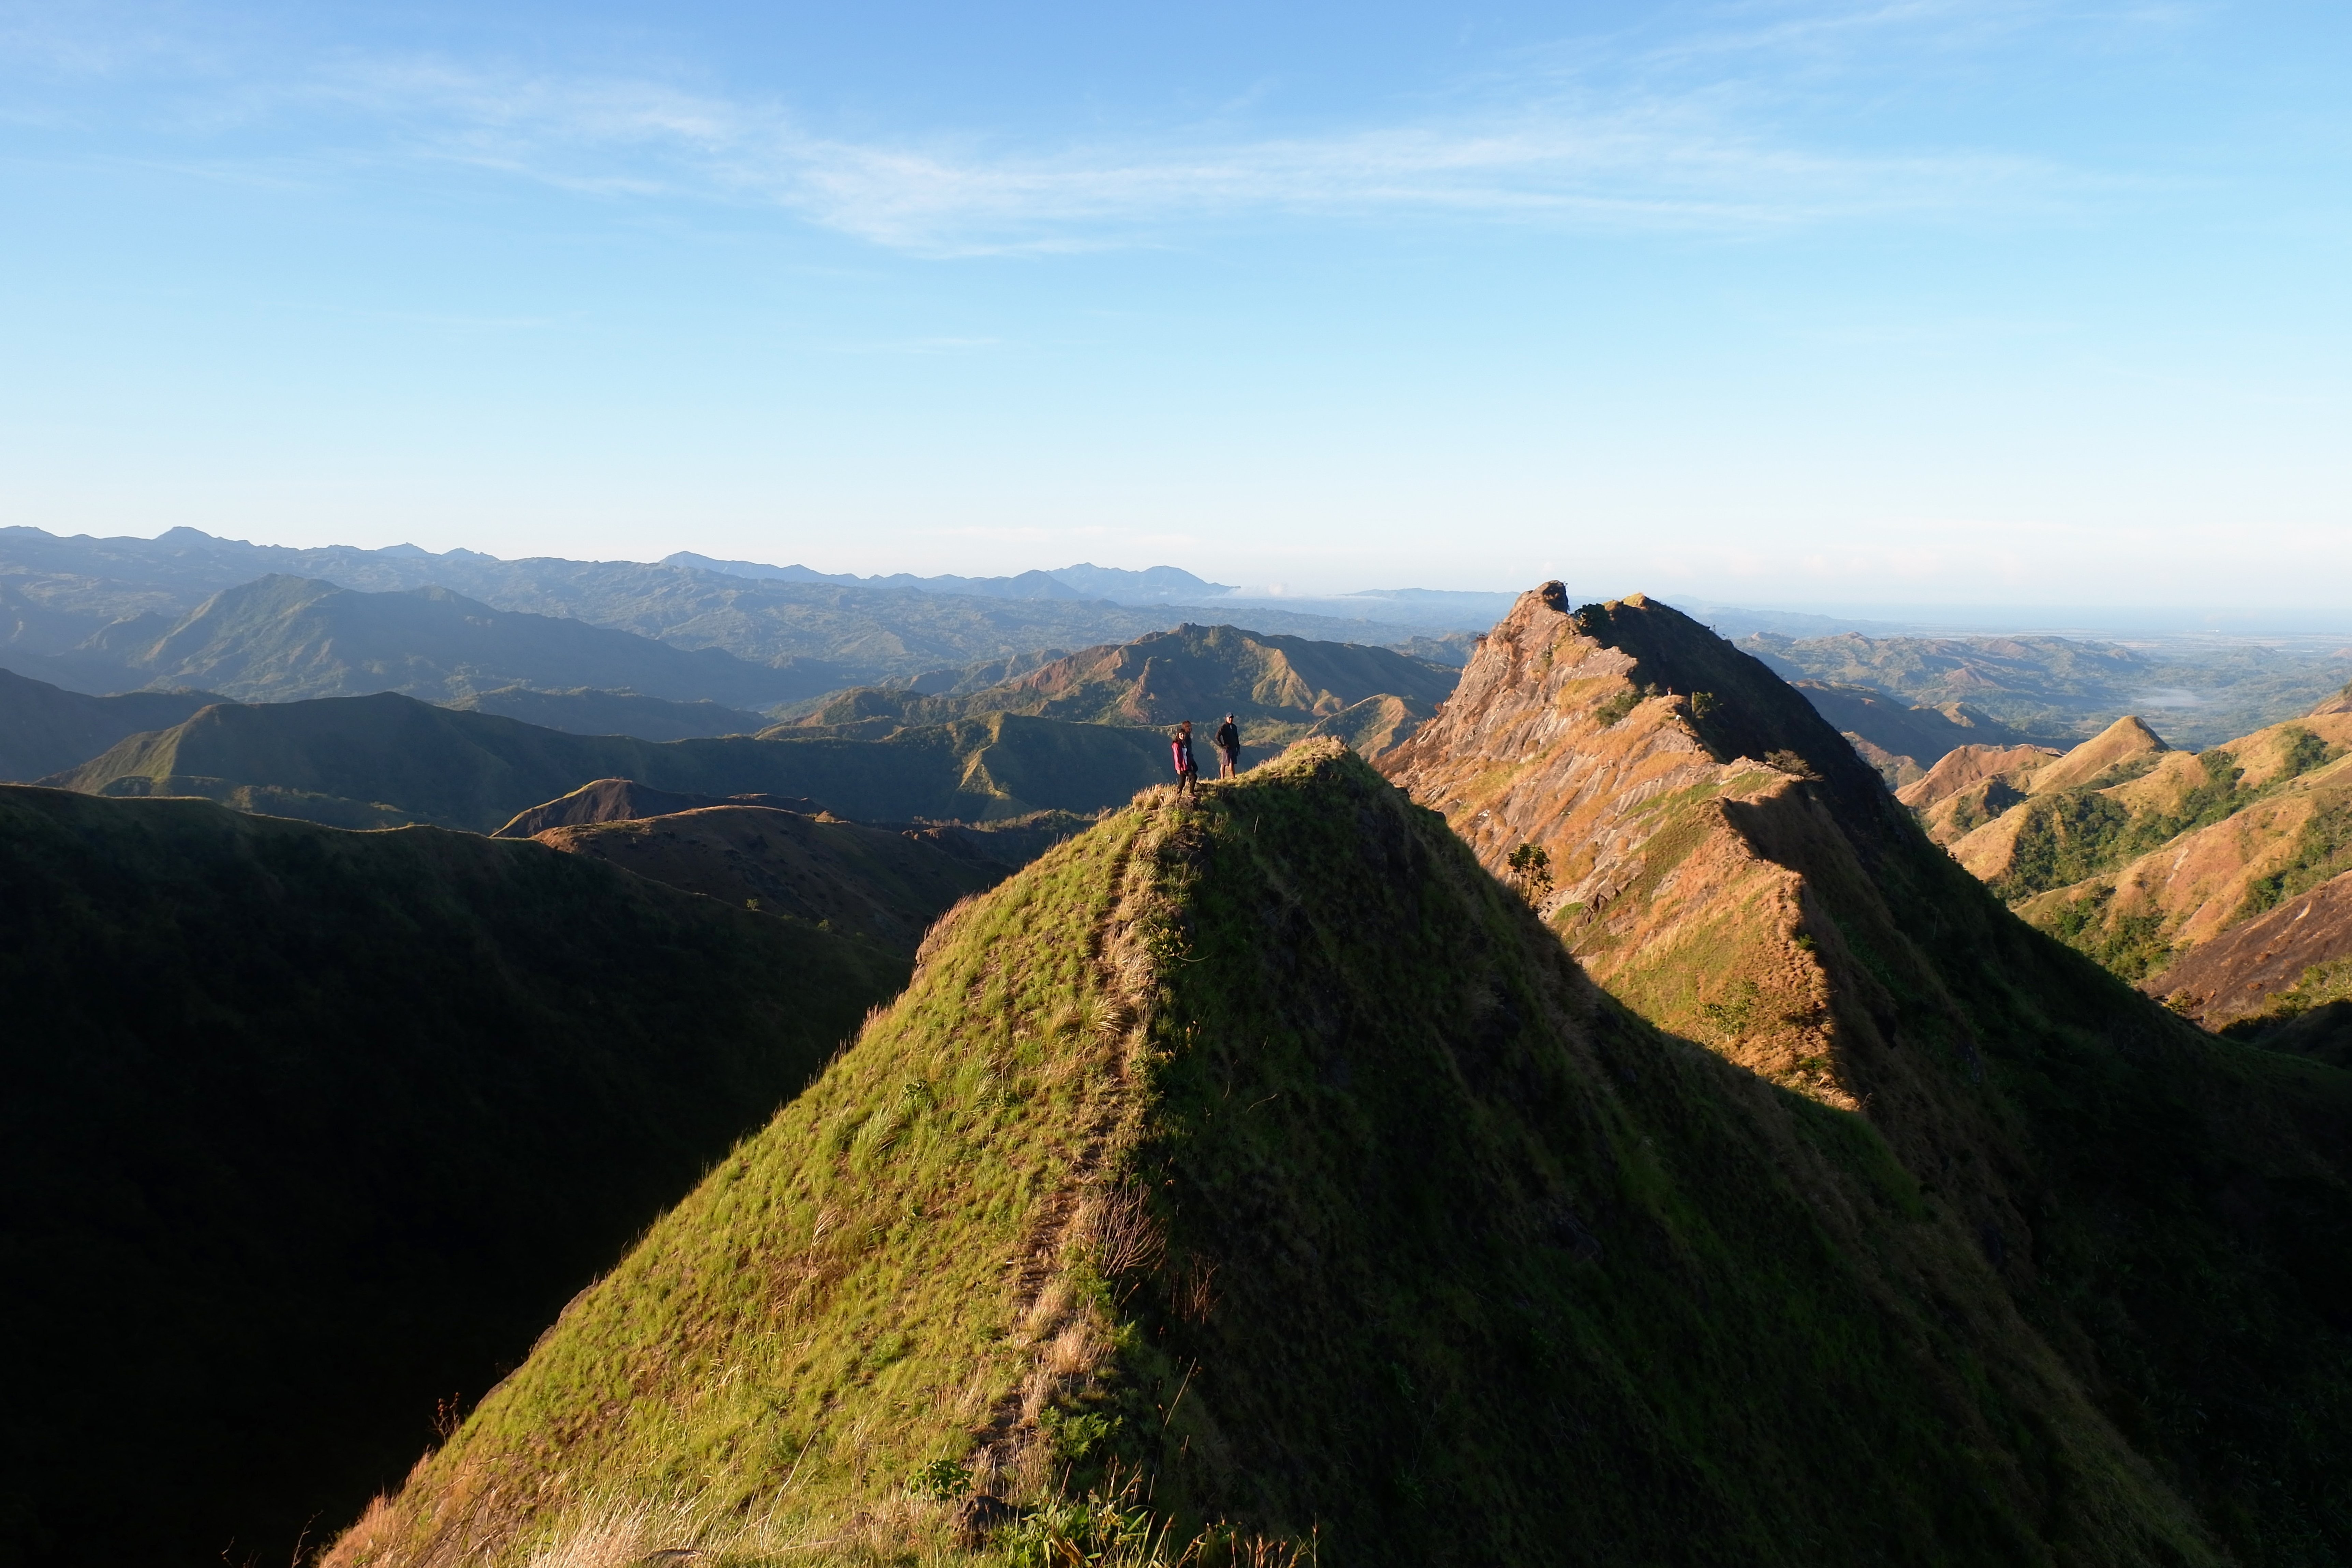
[(475, 771), (1277, 687), (1266, 1152), (44, 728), (307, 1129)]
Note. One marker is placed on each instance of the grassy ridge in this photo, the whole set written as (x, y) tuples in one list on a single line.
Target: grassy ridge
[(1267, 1149), (307, 1129)]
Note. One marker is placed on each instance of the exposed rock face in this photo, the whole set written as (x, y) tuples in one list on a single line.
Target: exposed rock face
[(1685, 795), (2235, 975)]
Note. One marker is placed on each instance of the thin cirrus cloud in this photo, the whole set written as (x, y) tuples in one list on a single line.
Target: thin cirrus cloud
[(1550, 158)]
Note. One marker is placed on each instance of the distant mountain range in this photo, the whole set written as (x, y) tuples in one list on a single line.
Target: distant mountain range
[(1153, 586), (77, 611), (2047, 686)]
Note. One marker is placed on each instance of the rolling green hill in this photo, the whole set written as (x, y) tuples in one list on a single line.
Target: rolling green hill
[(371, 760), (1262, 1159), (44, 728), (1278, 688), (306, 1131)]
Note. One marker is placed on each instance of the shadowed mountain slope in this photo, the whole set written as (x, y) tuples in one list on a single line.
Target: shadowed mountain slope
[(590, 712), (1730, 869), (1278, 688), (308, 1130), (44, 728), (881, 883), (373, 758), (1265, 1151)]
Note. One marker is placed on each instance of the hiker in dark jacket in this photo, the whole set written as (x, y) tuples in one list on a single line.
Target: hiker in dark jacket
[(1188, 776), (1229, 748)]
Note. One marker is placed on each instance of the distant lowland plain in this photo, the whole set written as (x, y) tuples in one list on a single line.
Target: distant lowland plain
[(537, 1062)]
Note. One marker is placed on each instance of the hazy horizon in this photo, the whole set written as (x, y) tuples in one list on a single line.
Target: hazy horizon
[(1774, 302)]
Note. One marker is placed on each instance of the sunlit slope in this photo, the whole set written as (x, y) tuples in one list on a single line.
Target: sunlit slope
[(306, 1131), (1268, 1149), (1728, 867)]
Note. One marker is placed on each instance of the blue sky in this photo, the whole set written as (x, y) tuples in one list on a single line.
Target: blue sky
[(1765, 302)]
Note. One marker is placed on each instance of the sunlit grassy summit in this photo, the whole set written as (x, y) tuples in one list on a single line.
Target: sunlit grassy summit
[(1260, 1161)]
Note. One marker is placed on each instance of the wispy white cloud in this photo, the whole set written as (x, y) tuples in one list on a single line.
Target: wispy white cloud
[(1651, 162), (1596, 134)]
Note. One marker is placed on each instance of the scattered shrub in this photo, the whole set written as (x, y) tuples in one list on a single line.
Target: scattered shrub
[(942, 1480), (1613, 712), (1530, 868)]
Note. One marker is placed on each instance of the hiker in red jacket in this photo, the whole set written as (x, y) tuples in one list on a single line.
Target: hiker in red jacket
[(1188, 776)]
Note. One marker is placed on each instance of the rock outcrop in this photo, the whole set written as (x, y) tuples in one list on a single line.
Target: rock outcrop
[(2237, 973)]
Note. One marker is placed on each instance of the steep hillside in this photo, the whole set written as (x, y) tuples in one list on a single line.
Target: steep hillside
[(2004, 777), (879, 882), (306, 1131), (391, 758), (1729, 868), (1263, 1159), (44, 728), (2134, 852), (586, 711), (1278, 688), (2268, 845), (282, 638)]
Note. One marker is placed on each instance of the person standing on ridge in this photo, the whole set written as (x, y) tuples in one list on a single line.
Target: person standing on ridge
[(1229, 748), (1188, 776)]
